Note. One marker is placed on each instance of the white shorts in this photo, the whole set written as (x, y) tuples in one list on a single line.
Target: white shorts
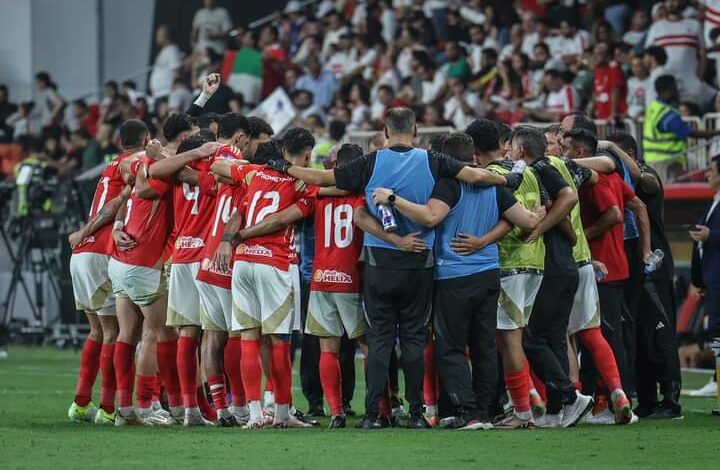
[(215, 307), (140, 284), (586, 305), (263, 297), (330, 314), (183, 296), (91, 284), (516, 299), (297, 299)]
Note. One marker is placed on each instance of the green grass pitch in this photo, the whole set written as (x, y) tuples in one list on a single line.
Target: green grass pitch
[(37, 386)]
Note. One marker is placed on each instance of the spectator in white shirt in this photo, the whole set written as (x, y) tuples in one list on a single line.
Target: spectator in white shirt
[(515, 45), (463, 107), (389, 21), (383, 101), (167, 64), (568, 46), (180, 97), (559, 101), (432, 81), (655, 59), (479, 40), (341, 62), (210, 26), (335, 29), (360, 107), (49, 103), (638, 28), (638, 86)]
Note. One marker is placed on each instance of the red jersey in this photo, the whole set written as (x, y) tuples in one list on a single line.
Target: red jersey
[(148, 222), (609, 247), (270, 192), (193, 208), (108, 188), (338, 242), (606, 79)]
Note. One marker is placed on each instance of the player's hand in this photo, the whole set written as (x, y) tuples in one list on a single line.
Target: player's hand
[(75, 239), (600, 266), (211, 83), (464, 244), (280, 165), (540, 211), (532, 236), (700, 233), (513, 180), (222, 257), (154, 149), (412, 243), (381, 195), (207, 149), (123, 241)]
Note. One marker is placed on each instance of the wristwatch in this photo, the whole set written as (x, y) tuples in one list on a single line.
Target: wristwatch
[(391, 199)]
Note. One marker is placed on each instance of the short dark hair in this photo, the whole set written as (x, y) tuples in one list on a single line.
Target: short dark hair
[(485, 135), (347, 152), (204, 120), (266, 151), (584, 139), (43, 77), (490, 53), (459, 145), (133, 133), (193, 142), (231, 123), (400, 121), (297, 140), (437, 142), (504, 131), (176, 124), (130, 84), (532, 139), (111, 84), (207, 135), (80, 103), (626, 142), (543, 46), (582, 121), (665, 83), (336, 129), (259, 126), (658, 53)]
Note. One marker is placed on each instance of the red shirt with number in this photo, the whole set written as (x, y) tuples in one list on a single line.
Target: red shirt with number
[(230, 199), (108, 188), (338, 242), (148, 222), (609, 247), (270, 192), (607, 79)]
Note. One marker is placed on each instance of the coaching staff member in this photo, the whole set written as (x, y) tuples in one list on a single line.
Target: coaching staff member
[(397, 285)]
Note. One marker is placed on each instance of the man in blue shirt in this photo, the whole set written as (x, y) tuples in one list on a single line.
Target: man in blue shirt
[(321, 83)]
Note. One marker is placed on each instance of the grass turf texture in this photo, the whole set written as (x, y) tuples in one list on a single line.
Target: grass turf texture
[(37, 386)]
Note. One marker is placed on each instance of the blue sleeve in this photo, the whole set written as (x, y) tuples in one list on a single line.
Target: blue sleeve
[(672, 122)]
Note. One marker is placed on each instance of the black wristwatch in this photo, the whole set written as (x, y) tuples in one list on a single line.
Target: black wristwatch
[(232, 239), (391, 200)]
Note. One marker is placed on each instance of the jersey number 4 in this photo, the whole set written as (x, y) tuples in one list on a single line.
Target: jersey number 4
[(338, 225)]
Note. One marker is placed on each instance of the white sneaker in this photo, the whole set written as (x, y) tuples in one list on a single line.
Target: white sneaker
[(574, 412), (130, 418), (177, 416), (708, 390), (604, 417), (549, 420), (293, 422), (241, 414), (477, 425), (154, 418), (193, 417), (255, 424)]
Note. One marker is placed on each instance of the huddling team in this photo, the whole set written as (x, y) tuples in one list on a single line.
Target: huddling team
[(188, 271)]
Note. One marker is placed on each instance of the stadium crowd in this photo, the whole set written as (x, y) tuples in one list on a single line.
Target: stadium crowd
[(191, 248)]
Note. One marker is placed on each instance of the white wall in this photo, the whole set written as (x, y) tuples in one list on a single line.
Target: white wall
[(60, 37)]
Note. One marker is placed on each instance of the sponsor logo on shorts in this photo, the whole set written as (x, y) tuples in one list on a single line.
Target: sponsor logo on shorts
[(253, 250), (208, 265), (186, 243), (332, 276)]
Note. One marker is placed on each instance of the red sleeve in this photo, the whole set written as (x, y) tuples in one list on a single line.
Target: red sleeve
[(359, 202), (159, 185), (603, 197), (306, 199), (207, 183), (627, 193), (237, 174)]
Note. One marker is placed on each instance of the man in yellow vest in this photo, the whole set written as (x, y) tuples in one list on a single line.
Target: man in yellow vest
[(665, 134)]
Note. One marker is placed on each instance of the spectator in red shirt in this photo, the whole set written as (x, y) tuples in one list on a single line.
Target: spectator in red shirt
[(609, 85)]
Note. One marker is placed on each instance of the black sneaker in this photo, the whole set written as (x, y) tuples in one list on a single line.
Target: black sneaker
[(316, 411), (369, 422), (303, 419), (348, 410), (644, 411), (228, 422), (662, 412), (453, 422), (337, 422), (417, 422)]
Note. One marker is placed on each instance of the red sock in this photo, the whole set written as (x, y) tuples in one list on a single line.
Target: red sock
[(602, 356), (217, 391), (233, 355), (123, 363), (538, 385), (144, 390), (251, 369), (207, 411), (167, 363), (107, 383), (269, 386), (89, 366), (157, 389), (187, 370), (518, 384), (330, 378), (430, 377), (281, 372), (577, 385)]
